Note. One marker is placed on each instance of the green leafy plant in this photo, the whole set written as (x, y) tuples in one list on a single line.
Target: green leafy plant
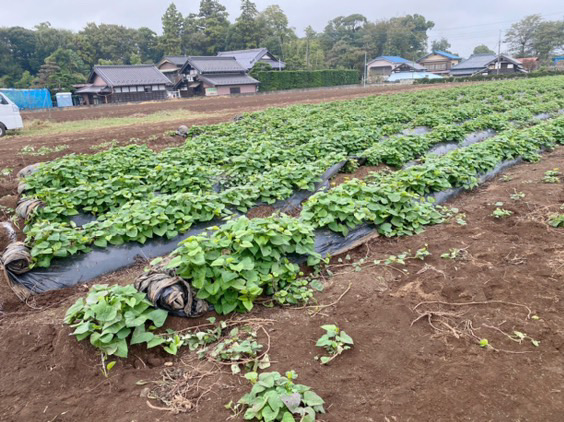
[(241, 349), (516, 196), (335, 341), (453, 253), (520, 337), (5, 172), (552, 176), (30, 150), (501, 213), (110, 315), (234, 264), (275, 397), (556, 220)]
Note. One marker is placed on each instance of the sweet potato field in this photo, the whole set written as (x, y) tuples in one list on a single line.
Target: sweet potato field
[(421, 149)]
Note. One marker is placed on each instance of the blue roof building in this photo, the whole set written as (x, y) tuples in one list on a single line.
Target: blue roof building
[(439, 62), (381, 67)]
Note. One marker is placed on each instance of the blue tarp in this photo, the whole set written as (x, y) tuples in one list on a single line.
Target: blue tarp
[(29, 99)]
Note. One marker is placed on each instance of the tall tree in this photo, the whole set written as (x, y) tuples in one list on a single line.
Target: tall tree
[(440, 45), (148, 48), (113, 43), (276, 33), (173, 26), (482, 49), (205, 33), (62, 70), (246, 31), (520, 35), (407, 36), (548, 39)]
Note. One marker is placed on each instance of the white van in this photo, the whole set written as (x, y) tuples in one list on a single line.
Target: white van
[(9, 115)]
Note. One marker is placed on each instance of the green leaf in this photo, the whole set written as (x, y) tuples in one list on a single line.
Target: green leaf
[(141, 336), (312, 399)]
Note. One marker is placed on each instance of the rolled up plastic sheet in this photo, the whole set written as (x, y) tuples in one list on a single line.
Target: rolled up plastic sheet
[(16, 258)]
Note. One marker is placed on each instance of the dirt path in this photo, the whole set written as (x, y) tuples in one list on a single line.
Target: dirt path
[(397, 371), (236, 104)]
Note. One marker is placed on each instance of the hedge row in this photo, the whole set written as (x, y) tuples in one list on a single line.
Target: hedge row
[(493, 77), (297, 79)]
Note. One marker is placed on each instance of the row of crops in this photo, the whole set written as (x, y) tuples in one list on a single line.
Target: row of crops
[(136, 194)]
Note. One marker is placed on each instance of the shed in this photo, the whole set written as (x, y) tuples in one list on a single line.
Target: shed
[(64, 99), (124, 83)]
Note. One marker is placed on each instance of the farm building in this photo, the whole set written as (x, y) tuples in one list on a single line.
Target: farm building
[(487, 64), (124, 83), (439, 62), (529, 63), (383, 66), (248, 58), (214, 75), (170, 66)]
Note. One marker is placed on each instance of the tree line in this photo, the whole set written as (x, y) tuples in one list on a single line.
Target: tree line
[(57, 58)]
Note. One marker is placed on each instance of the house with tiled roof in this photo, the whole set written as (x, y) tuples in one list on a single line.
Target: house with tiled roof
[(439, 62), (248, 58), (170, 66), (214, 75), (382, 67), (124, 83), (487, 64)]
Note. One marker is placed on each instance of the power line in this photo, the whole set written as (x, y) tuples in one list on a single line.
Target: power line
[(455, 28)]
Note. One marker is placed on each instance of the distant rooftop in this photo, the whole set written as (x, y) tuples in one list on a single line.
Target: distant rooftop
[(124, 75), (447, 55)]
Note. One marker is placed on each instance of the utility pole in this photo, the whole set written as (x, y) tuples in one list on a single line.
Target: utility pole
[(365, 70), (498, 64)]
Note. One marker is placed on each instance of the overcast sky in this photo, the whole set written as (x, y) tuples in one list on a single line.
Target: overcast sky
[(464, 23)]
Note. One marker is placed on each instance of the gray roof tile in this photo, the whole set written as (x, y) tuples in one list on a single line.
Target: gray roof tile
[(221, 80), (215, 64), (125, 75), (177, 60)]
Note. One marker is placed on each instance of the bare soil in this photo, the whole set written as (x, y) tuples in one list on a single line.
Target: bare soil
[(408, 364)]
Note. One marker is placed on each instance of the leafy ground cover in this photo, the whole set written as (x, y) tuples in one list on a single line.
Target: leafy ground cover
[(137, 194)]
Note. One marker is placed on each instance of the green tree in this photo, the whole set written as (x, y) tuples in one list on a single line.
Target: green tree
[(205, 33), (148, 45), (440, 45), (246, 31), (520, 35), (49, 39), (21, 45), (173, 27), (407, 36), (26, 81), (114, 43), (62, 70), (548, 39), (482, 49), (276, 32)]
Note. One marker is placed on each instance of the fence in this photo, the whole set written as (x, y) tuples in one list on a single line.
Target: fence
[(29, 99)]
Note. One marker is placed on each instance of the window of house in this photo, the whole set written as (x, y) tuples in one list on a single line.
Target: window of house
[(510, 65), (118, 90), (148, 88), (235, 90)]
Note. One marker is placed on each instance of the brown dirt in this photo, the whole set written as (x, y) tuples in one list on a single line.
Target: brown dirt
[(261, 211), (360, 173), (238, 104), (397, 371)]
